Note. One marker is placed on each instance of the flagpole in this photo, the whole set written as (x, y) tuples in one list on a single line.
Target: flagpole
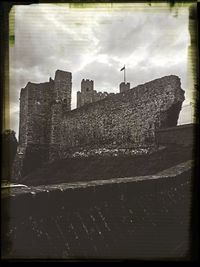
[(124, 74)]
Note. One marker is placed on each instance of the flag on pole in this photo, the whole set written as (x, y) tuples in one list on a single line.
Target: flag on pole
[(122, 68)]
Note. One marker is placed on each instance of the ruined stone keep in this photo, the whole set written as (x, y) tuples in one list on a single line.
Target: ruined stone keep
[(49, 128), (39, 110)]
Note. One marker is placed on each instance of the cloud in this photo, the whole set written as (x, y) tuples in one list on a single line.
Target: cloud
[(95, 43)]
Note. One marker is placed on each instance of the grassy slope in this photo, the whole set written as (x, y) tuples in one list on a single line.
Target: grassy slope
[(94, 168)]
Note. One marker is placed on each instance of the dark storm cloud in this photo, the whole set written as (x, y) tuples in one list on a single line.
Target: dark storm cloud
[(95, 43)]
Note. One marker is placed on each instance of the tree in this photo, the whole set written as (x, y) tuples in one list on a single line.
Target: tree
[(9, 150)]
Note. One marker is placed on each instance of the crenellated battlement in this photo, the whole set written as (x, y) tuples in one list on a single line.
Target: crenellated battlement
[(87, 80), (87, 94)]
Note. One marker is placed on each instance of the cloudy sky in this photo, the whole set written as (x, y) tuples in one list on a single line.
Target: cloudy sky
[(95, 42)]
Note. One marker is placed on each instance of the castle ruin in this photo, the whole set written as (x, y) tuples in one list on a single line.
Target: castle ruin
[(39, 109), (50, 130), (88, 94)]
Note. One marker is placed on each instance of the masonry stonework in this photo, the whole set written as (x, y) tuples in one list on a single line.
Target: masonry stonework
[(129, 118), (123, 87), (36, 108), (63, 88), (88, 94), (41, 107), (125, 119)]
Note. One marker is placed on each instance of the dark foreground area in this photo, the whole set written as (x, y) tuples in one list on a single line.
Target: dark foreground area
[(107, 167), (129, 218)]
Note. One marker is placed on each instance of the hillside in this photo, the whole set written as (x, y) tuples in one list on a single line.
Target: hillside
[(94, 168)]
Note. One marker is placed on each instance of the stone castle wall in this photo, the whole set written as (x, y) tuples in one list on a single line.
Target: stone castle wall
[(181, 135), (125, 118)]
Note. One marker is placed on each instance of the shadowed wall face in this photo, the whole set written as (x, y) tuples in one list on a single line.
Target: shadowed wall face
[(148, 218), (182, 134), (130, 117), (35, 100), (63, 88), (41, 107)]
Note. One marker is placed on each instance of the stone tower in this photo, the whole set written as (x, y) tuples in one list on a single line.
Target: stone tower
[(63, 87), (41, 111), (88, 94), (124, 87), (87, 88), (35, 101), (61, 102)]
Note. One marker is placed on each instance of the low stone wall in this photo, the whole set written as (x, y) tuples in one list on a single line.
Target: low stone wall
[(179, 135), (146, 217)]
